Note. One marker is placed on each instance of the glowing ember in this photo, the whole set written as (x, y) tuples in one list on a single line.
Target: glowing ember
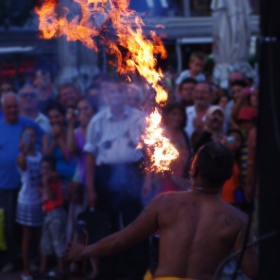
[(140, 55)]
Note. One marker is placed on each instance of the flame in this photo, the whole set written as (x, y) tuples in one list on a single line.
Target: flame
[(158, 147), (140, 56)]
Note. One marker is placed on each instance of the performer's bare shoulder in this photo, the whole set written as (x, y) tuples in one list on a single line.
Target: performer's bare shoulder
[(197, 231)]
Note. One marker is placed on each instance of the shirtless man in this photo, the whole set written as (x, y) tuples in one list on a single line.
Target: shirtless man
[(197, 229)]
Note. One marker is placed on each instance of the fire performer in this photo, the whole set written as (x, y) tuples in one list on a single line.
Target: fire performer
[(198, 229)]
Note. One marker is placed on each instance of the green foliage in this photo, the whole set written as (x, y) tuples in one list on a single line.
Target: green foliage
[(15, 12)]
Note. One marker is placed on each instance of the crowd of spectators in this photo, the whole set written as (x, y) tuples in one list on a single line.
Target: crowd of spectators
[(69, 154)]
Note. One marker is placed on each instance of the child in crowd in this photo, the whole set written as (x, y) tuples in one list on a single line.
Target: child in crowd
[(29, 212), (54, 227), (196, 64)]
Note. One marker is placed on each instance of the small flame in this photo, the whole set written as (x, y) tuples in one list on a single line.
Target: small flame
[(141, 55)]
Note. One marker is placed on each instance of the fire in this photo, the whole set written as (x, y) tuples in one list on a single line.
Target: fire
[(141, 55), (158, 147)]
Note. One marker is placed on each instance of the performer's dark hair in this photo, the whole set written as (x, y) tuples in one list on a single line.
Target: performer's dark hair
[(215, 163)]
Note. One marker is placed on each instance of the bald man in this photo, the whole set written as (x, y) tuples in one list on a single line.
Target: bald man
[(11, 127), (197, 228)]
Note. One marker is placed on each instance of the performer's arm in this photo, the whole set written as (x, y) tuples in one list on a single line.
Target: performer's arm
[(145, 225)]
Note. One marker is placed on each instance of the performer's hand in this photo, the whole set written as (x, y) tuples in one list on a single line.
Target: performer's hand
[(74, 252), (92, 198)]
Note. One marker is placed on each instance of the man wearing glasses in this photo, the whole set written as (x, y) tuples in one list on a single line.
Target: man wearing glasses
[(29, 107)]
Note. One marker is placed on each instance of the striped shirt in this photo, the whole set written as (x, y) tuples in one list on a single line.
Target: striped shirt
[(244, 159), (113, 140)]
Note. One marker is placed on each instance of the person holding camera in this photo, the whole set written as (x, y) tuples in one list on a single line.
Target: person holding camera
[(54, 144), (77, 190), (76, 140), (213, 129), (29, 209)]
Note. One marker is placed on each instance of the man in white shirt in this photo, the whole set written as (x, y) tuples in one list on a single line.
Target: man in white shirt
[(114, 175), (29, 107), (196, 113)]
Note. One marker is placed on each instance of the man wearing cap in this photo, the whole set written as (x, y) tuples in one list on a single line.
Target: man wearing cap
[(213, 129)]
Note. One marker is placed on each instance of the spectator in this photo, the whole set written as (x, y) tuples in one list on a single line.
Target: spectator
[(186, 89), (94, 89), (236, 76), (196, 113), (53, 234), (215, 94), (11, 127), (213, 129), (196, 64), (29, 107), (134, 96), (68, 95), (174, 119), (76, 140), (242, 101), (113, 171), (43, 84), (238, 89), (252, 183), (223, 101), (5, 88), (246, 121), (234, 143), (29, 209), (254, 97), (54, 144)]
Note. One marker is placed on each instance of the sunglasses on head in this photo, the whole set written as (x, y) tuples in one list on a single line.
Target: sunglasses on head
[(25, 95)]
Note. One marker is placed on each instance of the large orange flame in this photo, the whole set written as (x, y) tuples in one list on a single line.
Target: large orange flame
[(140, 55)]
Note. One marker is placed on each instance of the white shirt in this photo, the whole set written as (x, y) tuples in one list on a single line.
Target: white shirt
[(113, 140), (43, 122), (191, 115), (31, 181), (186, 74)]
